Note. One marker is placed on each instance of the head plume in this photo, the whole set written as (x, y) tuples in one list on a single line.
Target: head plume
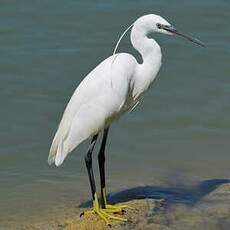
[(120, 38)]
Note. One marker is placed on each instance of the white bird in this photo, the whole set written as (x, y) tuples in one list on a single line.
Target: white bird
[(114, 87)]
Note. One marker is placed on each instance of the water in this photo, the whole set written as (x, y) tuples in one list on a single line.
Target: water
[(179, 134)]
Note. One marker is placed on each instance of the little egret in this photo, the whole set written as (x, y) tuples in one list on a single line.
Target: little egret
[(114, 87)]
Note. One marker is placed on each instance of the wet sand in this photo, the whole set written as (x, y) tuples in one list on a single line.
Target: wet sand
[(205, 206)]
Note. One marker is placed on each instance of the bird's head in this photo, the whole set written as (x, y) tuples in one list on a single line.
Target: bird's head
[(153, 23)]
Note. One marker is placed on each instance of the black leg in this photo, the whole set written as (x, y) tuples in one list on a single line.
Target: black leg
[(88, 162), (101, 161)]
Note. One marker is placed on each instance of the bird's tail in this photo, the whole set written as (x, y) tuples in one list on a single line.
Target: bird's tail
[(58, 149), (53, 149), (57, 153)]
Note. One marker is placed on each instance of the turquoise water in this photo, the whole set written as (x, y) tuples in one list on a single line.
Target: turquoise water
[(178, 135)]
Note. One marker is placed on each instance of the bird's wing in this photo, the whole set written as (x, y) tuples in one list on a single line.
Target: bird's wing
[(94, 102)]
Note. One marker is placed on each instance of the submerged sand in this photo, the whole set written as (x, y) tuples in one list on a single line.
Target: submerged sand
[(209, 210)]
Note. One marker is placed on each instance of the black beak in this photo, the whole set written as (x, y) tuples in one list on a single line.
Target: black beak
[(172, 30)]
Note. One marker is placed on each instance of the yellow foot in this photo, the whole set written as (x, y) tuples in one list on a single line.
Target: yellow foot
[(105, 214), (116, 208)]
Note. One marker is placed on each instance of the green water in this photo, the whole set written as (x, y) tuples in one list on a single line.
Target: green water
[(179, 134)]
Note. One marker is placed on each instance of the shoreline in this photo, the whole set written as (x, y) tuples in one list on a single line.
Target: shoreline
[(211, 211)]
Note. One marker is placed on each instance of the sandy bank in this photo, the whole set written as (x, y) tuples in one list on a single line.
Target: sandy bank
[(209, 210)]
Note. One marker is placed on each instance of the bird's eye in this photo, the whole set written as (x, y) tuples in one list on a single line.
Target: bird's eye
[(159, 26)]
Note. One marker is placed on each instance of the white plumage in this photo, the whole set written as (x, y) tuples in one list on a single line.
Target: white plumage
[(98, 100), (112, 88)]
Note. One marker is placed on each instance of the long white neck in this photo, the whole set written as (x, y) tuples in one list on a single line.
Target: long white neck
[(151, 56), (145, 46)]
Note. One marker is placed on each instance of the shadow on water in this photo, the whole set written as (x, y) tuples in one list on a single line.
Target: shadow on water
[(189, 196)]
